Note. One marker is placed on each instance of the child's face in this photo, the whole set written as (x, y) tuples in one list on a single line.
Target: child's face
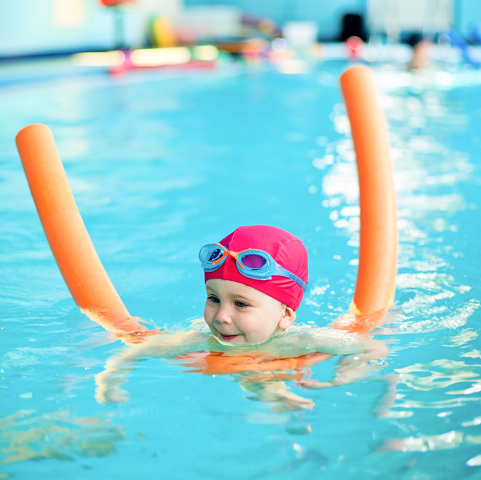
[(237, 313)]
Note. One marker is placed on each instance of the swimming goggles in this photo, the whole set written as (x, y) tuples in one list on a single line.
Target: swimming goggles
[(252, 263)]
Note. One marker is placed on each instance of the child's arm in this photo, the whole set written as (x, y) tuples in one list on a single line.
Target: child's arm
[(276, 392), (113, 375), (117, 367), (352, 367)]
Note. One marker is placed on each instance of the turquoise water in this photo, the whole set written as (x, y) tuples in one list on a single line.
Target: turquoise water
[(160, 165)]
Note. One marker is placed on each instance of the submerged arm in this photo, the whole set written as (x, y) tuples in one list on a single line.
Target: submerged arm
[(352, 367), (118, 366), (276, 392), (113, 375)]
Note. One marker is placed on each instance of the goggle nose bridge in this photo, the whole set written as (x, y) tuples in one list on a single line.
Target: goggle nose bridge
[(234, 255)]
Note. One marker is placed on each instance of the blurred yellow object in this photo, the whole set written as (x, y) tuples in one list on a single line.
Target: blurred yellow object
[(162, 33), (267, 26), (151, 57), (69, 13), (293, 66), (99, 59), (205, 52), (160, 56)]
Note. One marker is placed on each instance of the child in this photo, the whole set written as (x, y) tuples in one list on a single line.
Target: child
[(255, 280)]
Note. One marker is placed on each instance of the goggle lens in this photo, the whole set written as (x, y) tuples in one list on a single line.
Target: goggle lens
[(210, 254), (253, 261)]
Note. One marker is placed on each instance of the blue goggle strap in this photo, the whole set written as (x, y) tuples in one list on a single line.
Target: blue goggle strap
[(281, 271), (278, 269)]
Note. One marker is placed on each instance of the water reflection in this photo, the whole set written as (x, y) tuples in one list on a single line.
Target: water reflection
[(440, 374), (27, 435)]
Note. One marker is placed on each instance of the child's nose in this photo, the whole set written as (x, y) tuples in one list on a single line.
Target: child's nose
[(223, 316)]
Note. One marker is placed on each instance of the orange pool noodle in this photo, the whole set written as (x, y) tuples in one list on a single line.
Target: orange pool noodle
[(67, 236), (376, 276)]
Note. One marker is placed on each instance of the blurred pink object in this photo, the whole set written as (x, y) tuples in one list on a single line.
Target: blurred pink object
[(354, 46), (115, 3)]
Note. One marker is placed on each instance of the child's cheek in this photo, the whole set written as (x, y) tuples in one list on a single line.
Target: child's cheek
[(253, 329), (208, 314)]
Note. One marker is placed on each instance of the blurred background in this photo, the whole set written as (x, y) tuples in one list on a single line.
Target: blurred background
[(40, 27)]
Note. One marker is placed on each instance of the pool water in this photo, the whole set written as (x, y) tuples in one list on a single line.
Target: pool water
[(162, 164)]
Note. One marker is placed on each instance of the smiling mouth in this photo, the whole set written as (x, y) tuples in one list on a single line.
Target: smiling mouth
[(228, 338)]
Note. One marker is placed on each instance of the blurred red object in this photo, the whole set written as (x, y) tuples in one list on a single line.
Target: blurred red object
[(354, 46), (115, 3)]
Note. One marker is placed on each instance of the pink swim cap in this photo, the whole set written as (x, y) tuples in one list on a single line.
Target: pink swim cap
[(286, 249)]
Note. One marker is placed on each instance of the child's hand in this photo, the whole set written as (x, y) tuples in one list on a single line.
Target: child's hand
[(313, 384), (133, 338), (353, 323), (289, 401)]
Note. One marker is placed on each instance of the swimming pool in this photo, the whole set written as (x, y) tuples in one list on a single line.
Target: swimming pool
[(161, 164)]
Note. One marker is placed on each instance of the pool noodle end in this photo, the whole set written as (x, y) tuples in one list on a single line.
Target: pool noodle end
[(67, 236)]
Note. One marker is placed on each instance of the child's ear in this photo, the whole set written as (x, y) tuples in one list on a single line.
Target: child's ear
[(288, 318)]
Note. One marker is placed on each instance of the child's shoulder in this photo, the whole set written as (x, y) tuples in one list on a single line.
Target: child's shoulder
[(307, 339)]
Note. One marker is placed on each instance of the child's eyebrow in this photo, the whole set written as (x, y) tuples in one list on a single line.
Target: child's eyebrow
[(236, 295), (210, 291), (232, 295)]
